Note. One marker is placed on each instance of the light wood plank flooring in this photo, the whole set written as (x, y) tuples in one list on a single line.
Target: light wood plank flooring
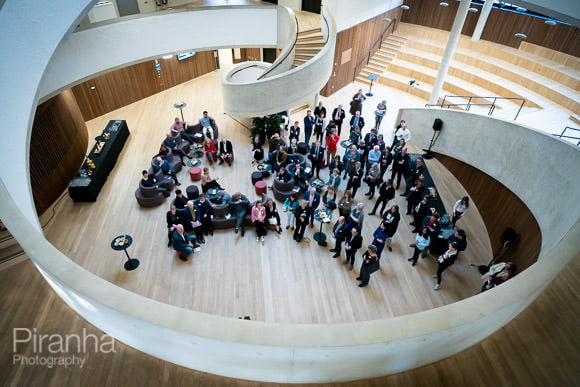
[(280, 281)]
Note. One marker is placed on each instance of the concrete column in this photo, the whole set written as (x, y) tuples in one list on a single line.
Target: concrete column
[(482, 20), (449, 50)]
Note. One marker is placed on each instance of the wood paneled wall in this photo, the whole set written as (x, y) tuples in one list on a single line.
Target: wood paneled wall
[(500, 27), (121, 87), (58, 145), (355, 42), (500, 208), (247, 54)]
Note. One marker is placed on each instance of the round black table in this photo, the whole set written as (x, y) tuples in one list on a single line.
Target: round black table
[(326, 218), (317, 183), (197, 150), (193, 163), (132, 263), (265, 168), (213, 193), (346, 144)]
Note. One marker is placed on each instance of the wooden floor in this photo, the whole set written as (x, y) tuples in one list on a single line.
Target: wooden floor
[(279, 281)]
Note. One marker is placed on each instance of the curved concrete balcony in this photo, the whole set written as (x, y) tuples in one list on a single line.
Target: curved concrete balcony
[(266, 351), (281, 86)]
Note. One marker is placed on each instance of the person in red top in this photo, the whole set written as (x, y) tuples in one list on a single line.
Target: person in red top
[(210, 150), (331, 145)]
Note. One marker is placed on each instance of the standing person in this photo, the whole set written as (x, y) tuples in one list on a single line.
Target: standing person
[(372, 179), (210, 150), (373, 156), (226, 152), (320, 110), (334, 179), (173, 218), (402, 133), (301, 221), (312, 200), (420, 211), (293, 147), (356, 218), (444, 261), (274, 144), (257, 149), (294, 132), (345, 204), (379, 238), (180, 201), (351, 156), (319, 125), (391, 219), (205, 211), (331, 127), (459, 209), (368, 266), (316, 156), (291, 205), (357, 121), (385, 160), (422, 241), (308, 125), (400, 162), (415, 196), (272, 215), (338, 233), (357, 102), (380, 113), (239, 203), (206, 123), (386, 193), (416, 169), (338, 117), (258, 219), (336, 164), (192, 220), (352, 243), (331, 145), (355, 178), (329, 199)]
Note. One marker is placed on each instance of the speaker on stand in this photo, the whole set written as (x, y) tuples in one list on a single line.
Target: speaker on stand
[(437, 126)]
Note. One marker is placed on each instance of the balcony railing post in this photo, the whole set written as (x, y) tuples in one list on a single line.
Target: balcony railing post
[(520, 109)]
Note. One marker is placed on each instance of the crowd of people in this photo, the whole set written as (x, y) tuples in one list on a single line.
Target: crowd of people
[(365, 163)]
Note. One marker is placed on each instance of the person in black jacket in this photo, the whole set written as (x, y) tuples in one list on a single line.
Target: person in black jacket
[(173, 218), (352, 243), (420, 211), (391, 219), (355, 179), (339, 233), (301, 221), (400, 162), (385, 160), (180, 201), (415, 196), (316, 156), (369, 257), (226, 152), (415, 172), (205, 211), (386, 193)]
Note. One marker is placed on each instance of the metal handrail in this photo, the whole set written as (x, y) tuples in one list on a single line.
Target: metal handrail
[(287, 52), (468, 105), (561, 135), (372, 50)]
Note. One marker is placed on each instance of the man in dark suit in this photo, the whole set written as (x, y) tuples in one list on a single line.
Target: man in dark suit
[(299, 176), (226, 152), (316, 156), (180, 201), (415, 171), (166, 168), (312, 199), (339, 233), (294, 132), (338, 117), (183, 243), (352, 243), (308, 125), (192, 220), (400, 163), (386, 193), (355, 178), (420, 211), (319, 110), (357, 120)]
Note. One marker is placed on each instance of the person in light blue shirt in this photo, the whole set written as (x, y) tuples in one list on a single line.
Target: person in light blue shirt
[(422, 242), (205, 122)]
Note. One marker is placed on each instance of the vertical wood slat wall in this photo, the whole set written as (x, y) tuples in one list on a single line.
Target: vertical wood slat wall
[(359, 39), (500, 208), (58, 145), (500, 27), (121, 87)]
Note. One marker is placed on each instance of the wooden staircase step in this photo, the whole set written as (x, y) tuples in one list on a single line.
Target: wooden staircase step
[(380, 61), (303, 57), (575, 118), (310, 32), (312, 38), (319, 45)]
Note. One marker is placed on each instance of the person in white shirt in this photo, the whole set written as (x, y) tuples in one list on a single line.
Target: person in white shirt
[(459, 209)]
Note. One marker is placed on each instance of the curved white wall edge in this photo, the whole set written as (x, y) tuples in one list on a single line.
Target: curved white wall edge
[(283, 91), (287, 36), (96, 50), (519, 157)]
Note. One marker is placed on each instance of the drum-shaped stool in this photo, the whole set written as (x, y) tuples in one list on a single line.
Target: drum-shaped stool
[(256, 176), (261, 187), (192, 192), (195, 173)]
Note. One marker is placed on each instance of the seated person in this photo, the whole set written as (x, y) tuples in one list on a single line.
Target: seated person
[(163, 151), (274, 143), (210, 150), (180, 201), (283, 176), (179, 127), (150, 181), (183, 243), (170, 143), (192, 220), (207, 182), (293, 147), (272, 215), (226, 152), (166, 168), (257, 150), (280, 159), (206, 124), (299, 177)]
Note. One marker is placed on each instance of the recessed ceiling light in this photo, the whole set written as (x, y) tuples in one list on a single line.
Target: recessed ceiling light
[(520, 35), (521, 9), (387, 20), (550, 22), (472, 9), (444, 4), (167, 56), (405, 7)]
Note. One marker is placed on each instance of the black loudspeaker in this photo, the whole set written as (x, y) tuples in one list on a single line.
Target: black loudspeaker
[(508, 236), (437, 125)]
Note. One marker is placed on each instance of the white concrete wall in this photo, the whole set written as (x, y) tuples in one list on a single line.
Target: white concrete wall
[(296, 5), (542, 171), (349, 13), (96, 50)]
